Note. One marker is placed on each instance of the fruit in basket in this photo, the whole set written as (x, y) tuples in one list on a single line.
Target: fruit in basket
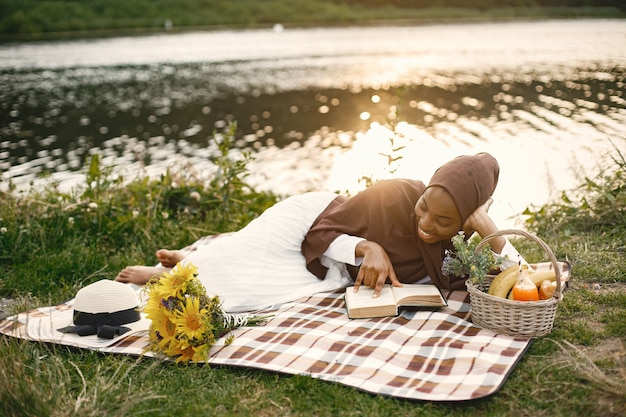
[(539, 276), (503, 283), (525, 289), (547, 289)]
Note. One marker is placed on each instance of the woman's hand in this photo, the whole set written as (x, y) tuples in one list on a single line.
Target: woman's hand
[(375, 268), (477, 219)]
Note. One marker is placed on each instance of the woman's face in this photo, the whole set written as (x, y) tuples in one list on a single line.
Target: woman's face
[(437, 216)]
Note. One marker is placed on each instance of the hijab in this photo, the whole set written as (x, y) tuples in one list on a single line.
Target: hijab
[(470, 180)]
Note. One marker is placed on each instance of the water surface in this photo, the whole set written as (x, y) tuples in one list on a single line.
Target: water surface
[(323, 108)]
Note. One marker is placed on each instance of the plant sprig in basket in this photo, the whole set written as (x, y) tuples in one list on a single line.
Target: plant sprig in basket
[(466, 261)]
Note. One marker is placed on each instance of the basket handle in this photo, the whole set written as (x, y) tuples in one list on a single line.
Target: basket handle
[(536, 239)]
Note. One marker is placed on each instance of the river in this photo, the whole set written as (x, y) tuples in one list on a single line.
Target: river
[(322, 108)]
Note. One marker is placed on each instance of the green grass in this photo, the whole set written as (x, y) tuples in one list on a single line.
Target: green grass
[(47, 19), (579, 369)]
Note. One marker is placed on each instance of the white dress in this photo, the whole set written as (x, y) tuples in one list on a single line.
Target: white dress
[(262, 265)]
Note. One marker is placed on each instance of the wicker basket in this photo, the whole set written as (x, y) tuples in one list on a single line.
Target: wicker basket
[(514, 318)]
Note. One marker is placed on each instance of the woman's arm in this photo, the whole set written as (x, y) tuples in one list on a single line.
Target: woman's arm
[(480, 222), (343, 249)]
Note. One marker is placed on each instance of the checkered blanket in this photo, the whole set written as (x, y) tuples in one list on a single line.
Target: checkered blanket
[(432, 355), (421, 354)]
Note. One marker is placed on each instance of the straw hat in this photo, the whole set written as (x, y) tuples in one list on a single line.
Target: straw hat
[(102, 313)]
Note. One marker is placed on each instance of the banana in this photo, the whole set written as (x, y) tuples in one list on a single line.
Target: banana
[(503, 282), (500, 277), (539, 276)]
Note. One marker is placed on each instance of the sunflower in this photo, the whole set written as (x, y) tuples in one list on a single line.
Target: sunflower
[(164, 328), (175, 282), (184, 352), (189, 320), (153, 307)]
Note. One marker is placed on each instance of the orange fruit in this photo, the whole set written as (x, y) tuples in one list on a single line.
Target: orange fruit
[(546, 289)]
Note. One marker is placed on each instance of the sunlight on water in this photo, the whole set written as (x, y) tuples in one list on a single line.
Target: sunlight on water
[(529, 173), (324, 108)]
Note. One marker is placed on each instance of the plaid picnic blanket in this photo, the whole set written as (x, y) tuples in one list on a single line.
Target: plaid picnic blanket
[(421, 354)]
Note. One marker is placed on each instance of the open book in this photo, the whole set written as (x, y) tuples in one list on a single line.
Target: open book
[(361, 304)]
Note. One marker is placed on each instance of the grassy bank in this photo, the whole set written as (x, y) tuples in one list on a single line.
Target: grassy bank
[(30, 19), (52, 243)]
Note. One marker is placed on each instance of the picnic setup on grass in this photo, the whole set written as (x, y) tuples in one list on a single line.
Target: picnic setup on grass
[(461, 346)]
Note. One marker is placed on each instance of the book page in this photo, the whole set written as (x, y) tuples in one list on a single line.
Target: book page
[(363, 298), (418, 294)]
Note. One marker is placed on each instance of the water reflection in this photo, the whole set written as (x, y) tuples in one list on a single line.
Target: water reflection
[(63, 123), (322, 123)]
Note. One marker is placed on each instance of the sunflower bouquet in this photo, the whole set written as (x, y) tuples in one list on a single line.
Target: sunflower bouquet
[(185, 321)]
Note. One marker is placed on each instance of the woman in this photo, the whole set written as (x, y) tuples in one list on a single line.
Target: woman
[(396, 230)]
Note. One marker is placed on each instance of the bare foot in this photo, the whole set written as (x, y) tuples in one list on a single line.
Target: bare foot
[(169, 258), (139, 274)]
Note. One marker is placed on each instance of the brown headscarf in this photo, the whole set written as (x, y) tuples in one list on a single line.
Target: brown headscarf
[(385, 213), (470, 180)]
